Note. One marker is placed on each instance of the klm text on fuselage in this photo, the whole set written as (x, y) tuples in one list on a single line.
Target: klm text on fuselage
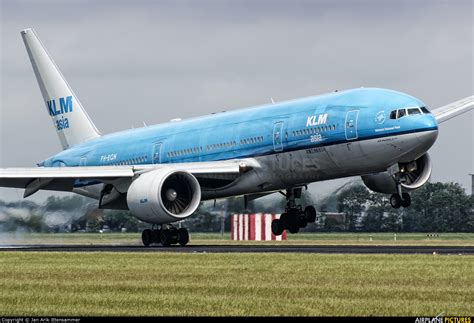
[(65, 106)]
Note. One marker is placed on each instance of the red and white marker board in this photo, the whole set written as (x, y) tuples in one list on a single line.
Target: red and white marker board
[(257, 226)]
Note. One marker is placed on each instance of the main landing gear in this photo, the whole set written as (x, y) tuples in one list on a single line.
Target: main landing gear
[(166, 235), (294, 217)]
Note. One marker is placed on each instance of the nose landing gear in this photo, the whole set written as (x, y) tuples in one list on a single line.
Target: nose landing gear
[(396, 201), (400, 198)]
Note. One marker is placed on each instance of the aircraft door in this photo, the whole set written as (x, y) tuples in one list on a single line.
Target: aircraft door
[(156, 157), (351, 124), (278, 136)]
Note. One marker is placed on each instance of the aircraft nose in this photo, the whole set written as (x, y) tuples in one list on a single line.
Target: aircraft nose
[(429, 133)]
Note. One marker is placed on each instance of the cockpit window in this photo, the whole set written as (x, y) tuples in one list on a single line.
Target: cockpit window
[(412, 111), (425, 110), (401, 113)]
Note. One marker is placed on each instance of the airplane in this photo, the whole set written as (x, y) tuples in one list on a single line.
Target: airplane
[(161, 173)]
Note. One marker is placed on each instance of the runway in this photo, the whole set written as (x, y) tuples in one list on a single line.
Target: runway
[(328, 249)]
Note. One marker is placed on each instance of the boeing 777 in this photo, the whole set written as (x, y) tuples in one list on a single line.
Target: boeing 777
[(161, 173)]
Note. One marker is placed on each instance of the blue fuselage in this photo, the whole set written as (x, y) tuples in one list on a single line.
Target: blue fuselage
[(321, 121)]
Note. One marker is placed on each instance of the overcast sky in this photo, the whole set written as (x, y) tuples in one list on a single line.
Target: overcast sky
[(135, 61)]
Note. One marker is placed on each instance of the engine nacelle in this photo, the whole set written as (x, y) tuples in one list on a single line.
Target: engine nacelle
[(164, 196), (412, 176)]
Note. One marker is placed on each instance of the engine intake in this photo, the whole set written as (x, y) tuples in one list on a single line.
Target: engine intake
[(412, 176), (164, 196)]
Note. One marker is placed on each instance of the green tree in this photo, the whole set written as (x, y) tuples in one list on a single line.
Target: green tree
[(391, 221), (118, 219), (352, 201), (440, 207), (68, 203), (373, 219)]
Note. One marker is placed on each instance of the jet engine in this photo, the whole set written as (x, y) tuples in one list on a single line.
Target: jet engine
[(411, 175), (164, 196)]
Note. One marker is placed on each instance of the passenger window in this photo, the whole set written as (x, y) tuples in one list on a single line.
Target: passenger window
[(401, 113), (413, 111)]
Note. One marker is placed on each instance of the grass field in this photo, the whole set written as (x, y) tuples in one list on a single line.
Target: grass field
[(86, 284), (134, 238)]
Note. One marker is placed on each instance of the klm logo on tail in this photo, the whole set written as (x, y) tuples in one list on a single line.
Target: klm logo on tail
[(65, 106)]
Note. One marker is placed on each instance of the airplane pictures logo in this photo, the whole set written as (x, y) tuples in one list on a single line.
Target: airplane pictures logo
[(65, 106), (313, 121)]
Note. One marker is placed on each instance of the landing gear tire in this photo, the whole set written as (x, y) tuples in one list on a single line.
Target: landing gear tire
[(165, 238), (147, 237), (395, 201), (302, 222), (156, 235), (183, 236), (294, 228), (278, 226), (310, 214), (406, 200)]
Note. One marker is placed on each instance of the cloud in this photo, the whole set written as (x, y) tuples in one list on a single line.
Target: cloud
[(134, 61)]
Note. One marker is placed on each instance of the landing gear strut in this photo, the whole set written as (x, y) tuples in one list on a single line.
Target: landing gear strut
[(294, 217), (166, 235)]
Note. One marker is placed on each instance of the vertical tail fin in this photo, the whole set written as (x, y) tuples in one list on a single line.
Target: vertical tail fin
[(71, 121)]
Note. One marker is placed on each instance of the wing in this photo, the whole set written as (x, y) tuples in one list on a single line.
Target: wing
[(68, 178), (454, 109)]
